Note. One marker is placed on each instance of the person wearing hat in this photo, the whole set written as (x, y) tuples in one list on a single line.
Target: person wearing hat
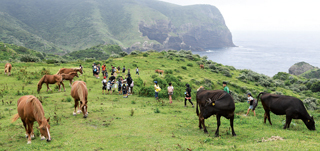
[(156, 89), (188, 96), (225, 87), (250, 101)]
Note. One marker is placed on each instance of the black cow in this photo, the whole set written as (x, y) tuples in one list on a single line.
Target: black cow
[(215, 102), (290, 106)]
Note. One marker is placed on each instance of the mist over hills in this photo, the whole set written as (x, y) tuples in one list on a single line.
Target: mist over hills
[(59, 27)]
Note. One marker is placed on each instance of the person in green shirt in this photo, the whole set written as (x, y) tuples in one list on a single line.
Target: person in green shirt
[(225, 87)]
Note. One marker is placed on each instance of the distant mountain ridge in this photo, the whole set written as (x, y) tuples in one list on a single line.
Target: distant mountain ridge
[(63, 26)]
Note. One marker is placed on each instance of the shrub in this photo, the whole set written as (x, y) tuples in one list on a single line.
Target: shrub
[(190, 64), (138, 82), (134, 65), (136, 52), (190, 57), (204, 58), (29, 58), (199, 62), (145, 54), (181, 59), (151, 51), (173, 51), (147, 91), (184, 67), (115, 55), (89, 59), (211, 66), (311, 103), (122, 54), (154, 76), (52, 61), (315, 87), (168, 71)]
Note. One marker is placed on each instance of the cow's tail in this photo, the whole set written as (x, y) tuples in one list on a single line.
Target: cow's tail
[(197, 110), (258, 100)]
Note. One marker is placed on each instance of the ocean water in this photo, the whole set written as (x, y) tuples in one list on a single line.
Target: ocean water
[(268, 52)]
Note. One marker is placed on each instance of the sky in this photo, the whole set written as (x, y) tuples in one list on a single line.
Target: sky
[(265, 15)]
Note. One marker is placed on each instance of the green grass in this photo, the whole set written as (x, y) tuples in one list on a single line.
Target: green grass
[(153, 126)]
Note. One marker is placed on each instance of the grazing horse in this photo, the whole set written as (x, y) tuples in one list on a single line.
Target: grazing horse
[(215, 102), (159, 71), (7, 68), (201, 66), (79, 92), (67, 70), (31, 110), (69, 76), (290, 106), (51, 79)]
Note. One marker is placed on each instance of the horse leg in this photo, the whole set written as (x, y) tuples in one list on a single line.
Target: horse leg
[(63, 86), (75, 107), (231, 124), (218, 125), (32, 134), (48, 87), (29, 130), (79, 110), (70, 83), (25, 127)]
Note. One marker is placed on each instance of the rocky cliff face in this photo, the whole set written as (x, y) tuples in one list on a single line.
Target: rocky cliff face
[(300, 68)]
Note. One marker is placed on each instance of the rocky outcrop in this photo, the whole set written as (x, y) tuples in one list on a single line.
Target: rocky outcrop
[(300, 68)]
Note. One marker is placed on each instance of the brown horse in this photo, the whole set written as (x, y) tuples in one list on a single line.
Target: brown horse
[(79, 92), (201, 66), (67, 71), (51, 79), (31, 110), (159, 71), (7, 68), (69, 76)]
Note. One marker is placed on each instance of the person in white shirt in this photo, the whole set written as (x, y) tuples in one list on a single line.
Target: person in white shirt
[(170, 92), (104, 85), (250, 101)]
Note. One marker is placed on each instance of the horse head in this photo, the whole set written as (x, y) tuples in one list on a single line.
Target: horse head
[(76, 74), (39, 87), (45, 129), (84, 108), (80, 70)]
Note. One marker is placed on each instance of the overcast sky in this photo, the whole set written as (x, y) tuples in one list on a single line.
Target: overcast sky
[(269, 15)]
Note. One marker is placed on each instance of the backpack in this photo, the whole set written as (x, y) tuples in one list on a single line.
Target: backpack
[(170, 89), (108, 85), (158, 89), (132, 84)]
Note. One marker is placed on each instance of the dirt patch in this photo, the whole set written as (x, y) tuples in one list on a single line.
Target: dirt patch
[(118, 59), (272, 138)]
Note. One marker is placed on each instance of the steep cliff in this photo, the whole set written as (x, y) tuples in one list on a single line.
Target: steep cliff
[(300, 68), (61, 26)]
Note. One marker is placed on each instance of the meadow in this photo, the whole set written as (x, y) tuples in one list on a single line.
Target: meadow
[(138, 122)]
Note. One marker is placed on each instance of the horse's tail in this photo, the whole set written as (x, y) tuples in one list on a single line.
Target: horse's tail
[(261, 93), (15, 117), (81, 93)]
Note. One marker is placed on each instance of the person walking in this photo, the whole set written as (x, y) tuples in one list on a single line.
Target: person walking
[(137, 71), (250, 101), (188, 96), (123, 70), (129, 82), (104, 85), (170, 92), (124, 91), (225, 87), (157, 89), (104, 69), (120, 85)]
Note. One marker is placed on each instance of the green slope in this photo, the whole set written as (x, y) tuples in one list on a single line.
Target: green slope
[(62, 26)]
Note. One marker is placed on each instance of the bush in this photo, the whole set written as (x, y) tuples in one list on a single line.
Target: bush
[(89, 59), (151, 51), (115, 55), (136, 52), (52, 61), (190, 57), (311, 103), (211, 66), (184, 67), (190, 64), (122, 54), (29, 58), (168, 71), (145, 54), (181, 59), (147, 91), (315, 87)]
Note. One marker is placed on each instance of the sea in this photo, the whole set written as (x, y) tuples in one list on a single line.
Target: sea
[(268, 52)]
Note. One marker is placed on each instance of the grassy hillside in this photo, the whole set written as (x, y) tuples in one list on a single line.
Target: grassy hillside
[(142, 123), (9, 51), (63, 26)]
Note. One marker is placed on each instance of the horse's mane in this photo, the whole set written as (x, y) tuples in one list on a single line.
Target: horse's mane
[(37, 108), (41, 80)]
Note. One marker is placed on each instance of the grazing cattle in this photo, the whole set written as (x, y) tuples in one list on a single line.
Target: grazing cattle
[(7, 69), (201, 66), (69, 76), (31, 110), (50, 79), (67, 71), (80, 93), (215, 102), (290, 106), (159, 71)]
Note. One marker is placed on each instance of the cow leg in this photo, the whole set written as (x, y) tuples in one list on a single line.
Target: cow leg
[(218, 125), (231, 124), (288, 122), (268, 116), (75, 107)]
